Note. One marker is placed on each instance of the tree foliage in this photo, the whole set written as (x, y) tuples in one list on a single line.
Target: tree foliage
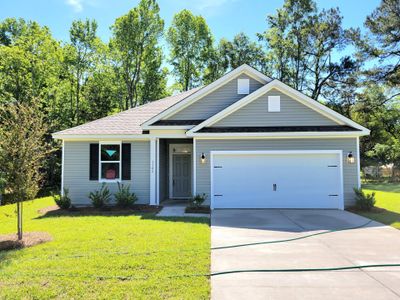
[(191, 48), (137, 55)]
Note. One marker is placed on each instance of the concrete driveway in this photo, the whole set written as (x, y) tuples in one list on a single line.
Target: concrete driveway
[(373, 244)]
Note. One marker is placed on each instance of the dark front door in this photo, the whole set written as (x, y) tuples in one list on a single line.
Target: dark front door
[(181, 175)]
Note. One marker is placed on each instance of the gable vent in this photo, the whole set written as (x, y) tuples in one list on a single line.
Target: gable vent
[(243, 86), (274, 103)]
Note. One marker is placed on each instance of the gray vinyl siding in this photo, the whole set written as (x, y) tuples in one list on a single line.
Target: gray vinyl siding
[(216, 101), (350, 179), (292, 113), (76, 172)]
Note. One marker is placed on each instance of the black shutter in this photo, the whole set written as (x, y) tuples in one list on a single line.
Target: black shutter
[(94, 162), (126, 161)]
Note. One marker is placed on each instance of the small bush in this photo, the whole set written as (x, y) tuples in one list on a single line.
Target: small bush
[(63, 201), (124, 198), (101, 197), (364, 201), (198, 200)]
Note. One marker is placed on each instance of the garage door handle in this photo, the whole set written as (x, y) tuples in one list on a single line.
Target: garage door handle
[(274, 187), (218, 195)]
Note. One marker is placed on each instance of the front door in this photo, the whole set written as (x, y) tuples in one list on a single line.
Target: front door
[(181, 175)]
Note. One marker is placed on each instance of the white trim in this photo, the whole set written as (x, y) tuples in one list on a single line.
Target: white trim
[(311, 103), (169, 127), (206, 90), (119, 179), (62, 167), (111, 137), (243, 137), (158, 171), (272, 152), (152, 171), (341, 199), (279, 134), (171, 169), (358, 164), (194, 168)]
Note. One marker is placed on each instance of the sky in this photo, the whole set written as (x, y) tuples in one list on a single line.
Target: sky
[(225, 17)]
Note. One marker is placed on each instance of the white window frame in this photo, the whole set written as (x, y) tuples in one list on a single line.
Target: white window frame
[(274, 103), (112, 161), (243, 86)]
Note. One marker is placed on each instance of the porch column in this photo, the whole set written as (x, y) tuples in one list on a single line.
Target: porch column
[(153, 171)]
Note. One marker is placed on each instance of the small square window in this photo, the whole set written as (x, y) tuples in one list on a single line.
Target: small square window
[(243, 86), (110, 161), (274, 103)]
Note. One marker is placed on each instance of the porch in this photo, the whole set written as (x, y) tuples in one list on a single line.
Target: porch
[(174, 170)]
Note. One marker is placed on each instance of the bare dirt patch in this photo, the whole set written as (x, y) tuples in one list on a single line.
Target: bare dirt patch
[(10, 241)]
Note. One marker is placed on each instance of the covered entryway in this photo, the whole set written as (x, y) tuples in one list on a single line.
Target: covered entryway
[(276, 179), (175, 161)]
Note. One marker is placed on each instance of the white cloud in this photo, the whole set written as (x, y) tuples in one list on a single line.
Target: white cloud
[(209, 5), (76, 5)]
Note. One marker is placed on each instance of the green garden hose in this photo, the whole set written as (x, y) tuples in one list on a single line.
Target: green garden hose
[(305, 269), (289, 240)]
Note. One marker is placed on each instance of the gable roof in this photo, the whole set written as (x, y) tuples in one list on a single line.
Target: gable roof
[(243, 69), (296, 95), (126, 122)]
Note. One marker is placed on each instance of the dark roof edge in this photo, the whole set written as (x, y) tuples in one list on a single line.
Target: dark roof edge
[(329, 128)]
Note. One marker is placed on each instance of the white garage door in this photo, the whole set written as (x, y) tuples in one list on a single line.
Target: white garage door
[(270, 179)]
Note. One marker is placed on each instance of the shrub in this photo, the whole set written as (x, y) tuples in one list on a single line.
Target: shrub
[(198, 200), (124, 198), (101, 197), (63, 201), (364, 201)]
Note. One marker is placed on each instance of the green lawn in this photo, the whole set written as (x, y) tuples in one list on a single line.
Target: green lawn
[(106, 257), (387, 197)]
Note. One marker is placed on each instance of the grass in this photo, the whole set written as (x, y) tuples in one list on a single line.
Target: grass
[(387, 198), (106, 257)]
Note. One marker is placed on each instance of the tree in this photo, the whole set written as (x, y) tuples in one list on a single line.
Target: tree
[(30, 61), (80, 56), (191, 48), (373, 111), (388, 153), (288, 39), (301, 42), (241, 50), (22, 151), (381, 43), (136, 51)]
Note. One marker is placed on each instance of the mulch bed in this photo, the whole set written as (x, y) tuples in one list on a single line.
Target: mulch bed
[(373, 210), (108, 210), (197, 210), (29, 239)]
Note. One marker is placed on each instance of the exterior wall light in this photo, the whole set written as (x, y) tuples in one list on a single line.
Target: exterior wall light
[(203, 158), (350, 158)]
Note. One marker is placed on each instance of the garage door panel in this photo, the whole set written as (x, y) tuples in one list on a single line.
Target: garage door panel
[(277, 181)]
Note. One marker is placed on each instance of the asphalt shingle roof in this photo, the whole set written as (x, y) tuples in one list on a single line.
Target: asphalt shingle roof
[(129, 121)]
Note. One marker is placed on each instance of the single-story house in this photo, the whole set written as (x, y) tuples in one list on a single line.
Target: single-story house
[(245, 140)]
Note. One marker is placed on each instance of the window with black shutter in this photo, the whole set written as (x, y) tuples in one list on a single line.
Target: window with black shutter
[(126, 161), (94, 162)]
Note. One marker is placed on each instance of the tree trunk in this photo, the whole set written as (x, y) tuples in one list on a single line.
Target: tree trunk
[(19, 217)]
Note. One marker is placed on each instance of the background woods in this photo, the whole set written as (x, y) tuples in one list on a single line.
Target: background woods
[(355, 71)]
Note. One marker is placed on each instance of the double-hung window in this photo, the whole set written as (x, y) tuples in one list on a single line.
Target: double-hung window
[(110, 161)]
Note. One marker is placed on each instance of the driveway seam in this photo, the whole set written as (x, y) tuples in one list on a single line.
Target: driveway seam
[(287, 217), (360, 270)]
